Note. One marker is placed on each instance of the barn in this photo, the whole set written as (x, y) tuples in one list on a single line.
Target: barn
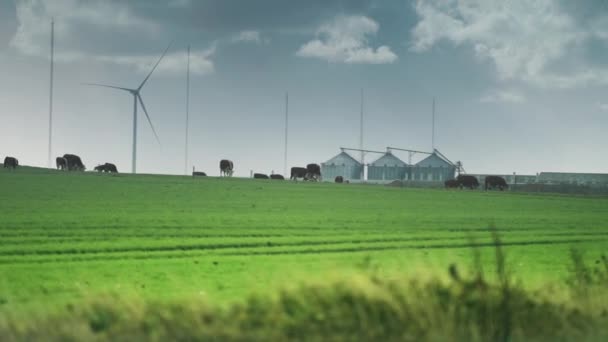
[(387, 168), (434, 168), (342, 165)]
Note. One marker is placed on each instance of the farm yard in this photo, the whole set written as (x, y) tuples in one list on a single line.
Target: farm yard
[(71, 237)]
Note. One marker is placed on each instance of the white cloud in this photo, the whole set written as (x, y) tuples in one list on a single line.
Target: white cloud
[(504, 96), (250, 36), (34, 18), (172, 63), (603, 106), (526, 40), (33, 33), (345, 40)]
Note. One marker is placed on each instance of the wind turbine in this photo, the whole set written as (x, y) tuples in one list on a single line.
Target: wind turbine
[(136, 98)]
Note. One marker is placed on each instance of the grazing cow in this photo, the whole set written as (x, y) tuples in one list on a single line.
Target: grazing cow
[(198, 173), (111, 168), (466, 181), (226, 168), (451, 183), (260, 176), (74, 163), (10, 163), (339, 179), (61, 163), (277, 176), (313, 172), (493, 182), (298, 172)]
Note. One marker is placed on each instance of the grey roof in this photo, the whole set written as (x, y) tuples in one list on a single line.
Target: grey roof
[(434, 160), (388, 159), (343, 159)]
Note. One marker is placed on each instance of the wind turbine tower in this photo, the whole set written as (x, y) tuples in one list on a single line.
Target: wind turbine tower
[(137, 98)]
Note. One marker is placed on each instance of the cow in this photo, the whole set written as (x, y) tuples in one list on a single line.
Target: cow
[(277, 177), (313, 172), (339, 179), (61, 163), (226, 168), (199, 173), (107, 167), (10, 163), (466, 181), (111, 168), (74, 163), (493, 182), (298, 172), (260, 176), (451, 183)]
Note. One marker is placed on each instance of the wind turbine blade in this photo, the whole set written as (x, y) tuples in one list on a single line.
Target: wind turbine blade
[(154, 68), (108, 86), (141, 102)]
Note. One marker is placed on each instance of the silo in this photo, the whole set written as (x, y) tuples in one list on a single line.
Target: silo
[(387, 168), (433, 168), (341, 165)]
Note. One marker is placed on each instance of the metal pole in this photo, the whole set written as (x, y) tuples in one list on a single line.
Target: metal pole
[(361, 141), (134, 160), (286, 132), (51, 93), (187, 111), (433, 129)]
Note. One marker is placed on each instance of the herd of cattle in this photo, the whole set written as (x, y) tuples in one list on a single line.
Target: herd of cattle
[(312, 172), (470, 182)]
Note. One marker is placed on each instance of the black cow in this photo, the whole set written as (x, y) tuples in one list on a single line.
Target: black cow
[(339, 179), (277, 176), (10, 163), (107, 167), (226, 168), (298, 172), (466, 181), (198, 173), (260, 176), (313, 172), (493, 182), (451, 183), (61, 163), (73, 162)]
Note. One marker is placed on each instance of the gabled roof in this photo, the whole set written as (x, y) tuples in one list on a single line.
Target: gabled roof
[(343, 159), (388, 159), (434, 160)]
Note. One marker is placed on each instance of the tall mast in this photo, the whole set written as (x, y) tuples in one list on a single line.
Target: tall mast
[(187, 110), (286, 132), (361, 140), (51, 93), (433, 128)]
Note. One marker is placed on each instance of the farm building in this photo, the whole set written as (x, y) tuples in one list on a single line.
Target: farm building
[(342, 165), (433, 168), (388, 167), (590, 179)]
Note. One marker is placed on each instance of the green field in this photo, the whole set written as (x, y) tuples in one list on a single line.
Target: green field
[(65, 236)]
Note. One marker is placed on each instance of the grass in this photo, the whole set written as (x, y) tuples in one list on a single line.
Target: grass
[(68, 236)]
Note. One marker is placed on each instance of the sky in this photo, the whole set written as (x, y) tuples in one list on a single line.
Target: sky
[(520, 86)]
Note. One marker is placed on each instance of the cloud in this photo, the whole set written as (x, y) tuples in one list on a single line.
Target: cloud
[(345, 40), (101, 20), (503, 96), (172, 63), (603, 106), (180, 3), (537, 42), (250, 36)]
